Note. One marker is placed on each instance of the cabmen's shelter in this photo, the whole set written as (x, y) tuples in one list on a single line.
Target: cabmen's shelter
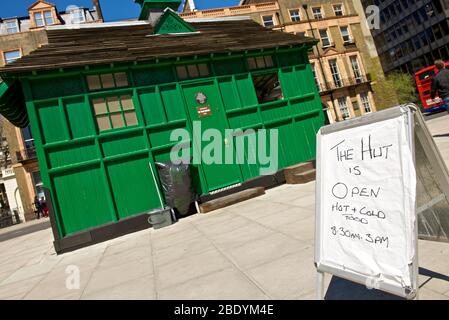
[(103, 100)]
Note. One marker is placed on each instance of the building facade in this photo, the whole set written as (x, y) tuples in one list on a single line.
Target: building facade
[(412, 33), (19, 36), (345, 62)]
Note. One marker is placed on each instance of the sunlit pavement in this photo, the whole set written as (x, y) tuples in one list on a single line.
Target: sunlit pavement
[(258, 249)]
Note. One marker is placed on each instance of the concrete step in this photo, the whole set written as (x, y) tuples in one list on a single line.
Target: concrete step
[(291, 172), (231, 199), (300, 178)]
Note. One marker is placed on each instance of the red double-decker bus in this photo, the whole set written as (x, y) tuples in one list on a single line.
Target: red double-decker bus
[(423, 80)]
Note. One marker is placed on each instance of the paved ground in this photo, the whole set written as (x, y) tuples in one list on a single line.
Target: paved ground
[(258, 249)]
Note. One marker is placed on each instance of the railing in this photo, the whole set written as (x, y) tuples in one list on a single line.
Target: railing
[(350, 44), (26, 154), (333, 85), (230, 11)]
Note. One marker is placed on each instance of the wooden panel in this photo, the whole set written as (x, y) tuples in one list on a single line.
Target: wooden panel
[(152, 107), (50, 116), (124, 143), (79, 117), (132, 185), (72, 154), (82, 199)]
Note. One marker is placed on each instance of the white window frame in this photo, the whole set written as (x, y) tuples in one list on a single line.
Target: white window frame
[(51, 17), (342, 9), (16, 26), (318, 16), (315, 76), (298, 17), (272, 19), (356, 69), (366, 104), (343, 106), (11, 51), (335, 72), (348, 35), (327, 37), (43, 18), (77, 15)]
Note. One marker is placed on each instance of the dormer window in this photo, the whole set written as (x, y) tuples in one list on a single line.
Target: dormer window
[(12, 26), (43, 18), (77, 15)]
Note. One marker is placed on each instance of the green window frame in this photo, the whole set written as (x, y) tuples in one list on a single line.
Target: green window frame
[(107, 81), (192, 71), (114, 112)]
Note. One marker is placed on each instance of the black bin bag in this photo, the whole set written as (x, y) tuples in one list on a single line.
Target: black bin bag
[(177, 185)]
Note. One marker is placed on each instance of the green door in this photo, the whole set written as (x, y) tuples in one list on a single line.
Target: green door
[(206, 109)]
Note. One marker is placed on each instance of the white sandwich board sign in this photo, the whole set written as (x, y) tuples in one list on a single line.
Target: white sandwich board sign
[(366, 224)]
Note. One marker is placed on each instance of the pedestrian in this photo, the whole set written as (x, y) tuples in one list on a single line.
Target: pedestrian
[(38, 207), (44, 207), (440, 83)]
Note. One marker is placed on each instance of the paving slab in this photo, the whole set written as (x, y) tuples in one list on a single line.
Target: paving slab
[(225, 284)]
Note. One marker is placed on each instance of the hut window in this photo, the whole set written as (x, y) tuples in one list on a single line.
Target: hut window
[(107, 81), (192, 71), (114, 112), (261, 62), (268, 87)]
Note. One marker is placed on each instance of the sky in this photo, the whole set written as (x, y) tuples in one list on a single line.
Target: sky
[(113, 10)]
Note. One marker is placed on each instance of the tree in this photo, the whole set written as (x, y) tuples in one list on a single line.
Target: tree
[(5, 159), (404, 86)]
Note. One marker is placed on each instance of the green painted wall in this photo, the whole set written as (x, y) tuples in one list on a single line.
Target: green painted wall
[(97, 178)]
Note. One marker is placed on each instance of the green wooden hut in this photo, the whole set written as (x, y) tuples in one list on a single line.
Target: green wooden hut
[(103, 99)]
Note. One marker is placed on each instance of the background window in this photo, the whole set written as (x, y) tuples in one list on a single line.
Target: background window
[(43, 18), (356, 69), (268, 21), (294, 15), (338, 10), (77, 15), (48, 18), (11, 56), (342, 104), (324, 38), (12, 26), (38, 19), (335, 73), (317, 13), (315, 76), (345, 34), (365, 102)]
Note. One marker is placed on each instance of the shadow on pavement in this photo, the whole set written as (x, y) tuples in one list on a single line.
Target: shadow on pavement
[(19, 232), (341, 289)]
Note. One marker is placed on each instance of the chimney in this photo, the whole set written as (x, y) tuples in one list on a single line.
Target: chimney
[(97, 7), (153, 9), (190, 6)]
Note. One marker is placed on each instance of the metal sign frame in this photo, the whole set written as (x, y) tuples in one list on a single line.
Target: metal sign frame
[(409, 293)]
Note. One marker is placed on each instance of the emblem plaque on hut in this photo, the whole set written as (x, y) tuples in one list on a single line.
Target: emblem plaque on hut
[(201, 98)]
